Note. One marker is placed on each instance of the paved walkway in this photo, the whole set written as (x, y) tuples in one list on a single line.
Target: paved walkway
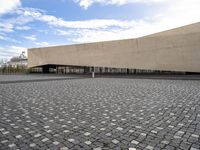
[(4, 79), (101, 113)]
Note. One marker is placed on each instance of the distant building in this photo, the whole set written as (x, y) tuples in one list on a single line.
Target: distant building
[(20, 61), (3, 63)]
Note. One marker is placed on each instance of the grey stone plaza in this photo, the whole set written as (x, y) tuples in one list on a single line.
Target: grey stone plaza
[(100, 114)]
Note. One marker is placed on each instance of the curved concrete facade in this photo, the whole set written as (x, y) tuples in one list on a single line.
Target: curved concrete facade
[(173, 50)]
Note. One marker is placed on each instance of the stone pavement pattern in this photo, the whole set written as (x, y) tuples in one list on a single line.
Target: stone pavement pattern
[(110, 114), (10, 78)]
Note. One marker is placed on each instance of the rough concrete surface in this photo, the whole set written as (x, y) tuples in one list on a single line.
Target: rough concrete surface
[(172, 50)]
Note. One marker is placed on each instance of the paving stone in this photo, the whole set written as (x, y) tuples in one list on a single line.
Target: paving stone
[(71, 140), (87, 134), (56, 142), (66, 131), (149, 147), (195, 136), (4, 141), (37, 135), (131, 131), (64, 148), (143, 134), (32, 145), (115, 141), (165, 142), (88, 142), (134, 142), (138, 127), (45, 139), (11, 145), (98, 148), (108, 134), (119, 128), (18, 136), (193, 148), (153, 131)]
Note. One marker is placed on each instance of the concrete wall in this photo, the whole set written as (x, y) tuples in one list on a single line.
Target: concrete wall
[(173, 50)]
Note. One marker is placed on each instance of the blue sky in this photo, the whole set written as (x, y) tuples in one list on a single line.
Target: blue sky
[(37, 23)]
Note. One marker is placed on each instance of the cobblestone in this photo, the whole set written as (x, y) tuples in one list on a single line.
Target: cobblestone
[(100, 113)]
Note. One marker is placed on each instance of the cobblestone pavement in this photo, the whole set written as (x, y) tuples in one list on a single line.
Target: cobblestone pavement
[(10, 78), (107, 114)]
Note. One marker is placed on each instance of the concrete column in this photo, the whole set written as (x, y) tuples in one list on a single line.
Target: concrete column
[(56, 69), (65, 69), (128, 71), (100, 70), (84, 70)]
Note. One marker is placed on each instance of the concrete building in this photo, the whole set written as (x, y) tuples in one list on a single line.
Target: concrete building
[(176, 50)]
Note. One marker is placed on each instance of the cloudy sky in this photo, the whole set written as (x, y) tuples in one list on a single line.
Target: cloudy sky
[(37, 23)]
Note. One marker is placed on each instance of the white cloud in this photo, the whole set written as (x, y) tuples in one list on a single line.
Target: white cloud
[(87, 3), (23, 28), (178, 13), (5, 37), (42, 44), (2, 37), (18, 22), (59, 22), (8, 5), (95, 35), (63, 32), (9, 25), (6, 27), (11, 51), (31, 37), (181, 12)]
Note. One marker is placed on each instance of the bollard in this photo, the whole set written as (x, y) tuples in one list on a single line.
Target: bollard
[(93, 74)]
